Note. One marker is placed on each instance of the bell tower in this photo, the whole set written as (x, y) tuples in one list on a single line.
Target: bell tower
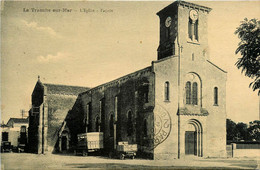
[(183, 24)]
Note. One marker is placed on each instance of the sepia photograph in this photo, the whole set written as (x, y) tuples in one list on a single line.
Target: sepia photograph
[(130, 84)]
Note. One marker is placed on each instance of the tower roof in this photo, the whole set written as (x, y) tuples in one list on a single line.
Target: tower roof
[(185, 4)]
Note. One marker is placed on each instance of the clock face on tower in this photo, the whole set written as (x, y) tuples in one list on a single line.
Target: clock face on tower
[(168, 21), (194, 15)]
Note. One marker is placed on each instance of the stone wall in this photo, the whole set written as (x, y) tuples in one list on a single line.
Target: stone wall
[(101, 102), (58, 107)]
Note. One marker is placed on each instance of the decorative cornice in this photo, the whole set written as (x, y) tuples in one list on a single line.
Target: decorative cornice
[(194, 6), (163, 59), (188, 112), (147, 109), (184, 4)]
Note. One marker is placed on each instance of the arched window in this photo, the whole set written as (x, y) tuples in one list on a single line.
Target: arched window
[(188, 93), (23, 137), (130, 124), (215, 96), (145, 128), (23, 129), (196, 31), (111, 125), (193, 29), (190, 31), (146, 92), (97, 124), (194, 93), (167, 91)]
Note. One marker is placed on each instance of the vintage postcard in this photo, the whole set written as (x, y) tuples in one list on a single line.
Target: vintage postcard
[(130, 84)]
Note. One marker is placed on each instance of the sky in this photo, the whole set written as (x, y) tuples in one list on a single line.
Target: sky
[(100, 41)]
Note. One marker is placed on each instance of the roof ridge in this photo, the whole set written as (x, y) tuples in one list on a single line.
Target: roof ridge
[(64, 85), (117, 79)]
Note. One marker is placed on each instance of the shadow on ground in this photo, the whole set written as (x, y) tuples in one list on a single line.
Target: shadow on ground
[(127, 166), (238, 163)]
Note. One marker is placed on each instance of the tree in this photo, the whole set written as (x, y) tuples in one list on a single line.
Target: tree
[(254, 130), (231, 130), (243, 133), (249, 47)]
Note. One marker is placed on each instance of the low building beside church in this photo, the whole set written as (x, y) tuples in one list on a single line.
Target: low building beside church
[(15, 132)]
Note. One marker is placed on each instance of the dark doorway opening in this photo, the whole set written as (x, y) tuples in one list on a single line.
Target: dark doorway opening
[(64, 143), (190, 143)]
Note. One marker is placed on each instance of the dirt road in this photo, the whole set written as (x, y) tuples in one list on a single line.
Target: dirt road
[(33, 161)]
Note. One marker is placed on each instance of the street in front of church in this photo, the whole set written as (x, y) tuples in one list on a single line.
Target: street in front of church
[(52, 161)]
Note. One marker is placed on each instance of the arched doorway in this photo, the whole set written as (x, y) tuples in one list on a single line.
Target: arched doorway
[(193, 138)]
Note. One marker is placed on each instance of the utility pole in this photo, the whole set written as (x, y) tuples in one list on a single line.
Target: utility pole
[(22, 111)]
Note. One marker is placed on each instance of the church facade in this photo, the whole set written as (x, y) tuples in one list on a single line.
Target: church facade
[(196, 104), (175, 108)]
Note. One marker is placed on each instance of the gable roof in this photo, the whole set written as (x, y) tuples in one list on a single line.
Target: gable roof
[(64, 89), (18, 120)]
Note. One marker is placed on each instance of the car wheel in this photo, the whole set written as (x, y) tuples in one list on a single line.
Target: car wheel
[(122, 156), (110, 155)]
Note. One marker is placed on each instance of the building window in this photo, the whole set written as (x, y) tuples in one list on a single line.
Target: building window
[(167, 91), (215, 96), (192, 93), (116, 107), (145, 128), (188, 93), (23, 129), (130, 124), (97, 124), (196, 30), (4, 136), (195, 93), (190, 29), (168, 33), (88, 120), (89, 113), (102, 114), (193, 29), (111, 125), (146, 92)]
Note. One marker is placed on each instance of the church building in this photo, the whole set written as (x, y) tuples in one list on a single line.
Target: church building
[(175, 108), (172, 109)]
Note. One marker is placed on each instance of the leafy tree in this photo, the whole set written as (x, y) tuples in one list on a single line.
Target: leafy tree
[(254, 130), (249, 47), (242, 131), (231, 130)]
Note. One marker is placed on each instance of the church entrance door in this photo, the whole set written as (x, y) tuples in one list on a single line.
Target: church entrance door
[(190, 143), (193, 138)]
